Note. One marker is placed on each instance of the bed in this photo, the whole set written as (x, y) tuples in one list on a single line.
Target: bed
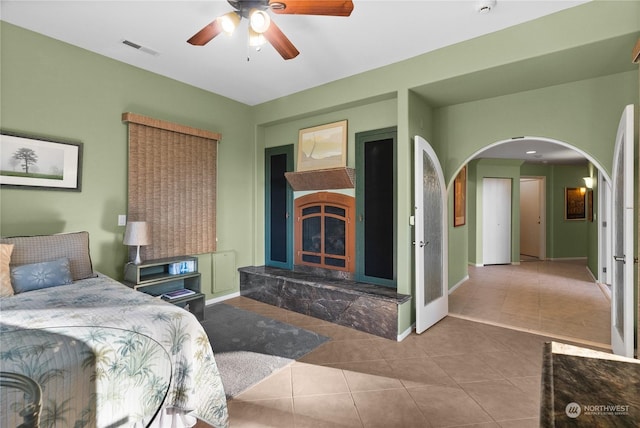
[(99, 353)]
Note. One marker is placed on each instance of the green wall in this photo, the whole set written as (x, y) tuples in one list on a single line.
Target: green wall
[(565, 238), (568, 236), (584, 114), (54, 90)]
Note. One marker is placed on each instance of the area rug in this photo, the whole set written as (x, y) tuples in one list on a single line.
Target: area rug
[(249, 347)]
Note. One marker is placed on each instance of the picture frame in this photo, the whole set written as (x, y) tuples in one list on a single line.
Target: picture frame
[(575, 203), (28, 162), (590, 205), (322, 147), (460, 198)]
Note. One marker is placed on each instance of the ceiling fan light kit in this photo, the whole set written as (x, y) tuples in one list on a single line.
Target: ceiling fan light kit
[(256, 39), (259, 20), (229, 22), (261, 26)]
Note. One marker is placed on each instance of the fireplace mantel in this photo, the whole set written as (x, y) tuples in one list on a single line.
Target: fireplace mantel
[(322, 179)]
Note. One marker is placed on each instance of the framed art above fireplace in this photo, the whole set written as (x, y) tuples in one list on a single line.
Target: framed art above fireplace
[(322, 147)]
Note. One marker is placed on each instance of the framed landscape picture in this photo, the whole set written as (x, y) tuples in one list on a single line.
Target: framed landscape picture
[(34, 163), (575, 203), (460, 198), (322, 147)]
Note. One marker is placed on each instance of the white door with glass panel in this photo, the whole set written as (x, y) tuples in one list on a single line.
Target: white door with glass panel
[(622, 313), (430, 239)]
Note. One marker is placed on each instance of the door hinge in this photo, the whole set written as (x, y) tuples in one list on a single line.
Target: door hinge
[(604, 270), (604, 224)]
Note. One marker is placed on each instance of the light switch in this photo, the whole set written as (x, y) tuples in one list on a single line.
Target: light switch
[(122, 220)]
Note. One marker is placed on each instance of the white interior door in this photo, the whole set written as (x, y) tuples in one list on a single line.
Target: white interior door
[(496, 221), (604, 229), (531, 217), (622, 332), (430, 244)]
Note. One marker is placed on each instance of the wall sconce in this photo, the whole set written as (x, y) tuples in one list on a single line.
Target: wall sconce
[(588, 182), (137, 234)]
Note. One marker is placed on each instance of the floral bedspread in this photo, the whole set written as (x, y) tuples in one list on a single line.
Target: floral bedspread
[(106, 355)]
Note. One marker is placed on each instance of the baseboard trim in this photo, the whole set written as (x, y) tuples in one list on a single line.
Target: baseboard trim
[(406, 333), (458, 284), (605, 290), (222, 298)]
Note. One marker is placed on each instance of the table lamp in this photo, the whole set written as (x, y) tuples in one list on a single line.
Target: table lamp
[(137, 234)]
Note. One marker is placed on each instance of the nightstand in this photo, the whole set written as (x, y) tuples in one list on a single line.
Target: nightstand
[(162, 276)]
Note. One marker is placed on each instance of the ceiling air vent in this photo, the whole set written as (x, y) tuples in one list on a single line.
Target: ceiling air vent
[(140, 48)]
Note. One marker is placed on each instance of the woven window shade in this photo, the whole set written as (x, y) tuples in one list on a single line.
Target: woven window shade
[(172, 186)]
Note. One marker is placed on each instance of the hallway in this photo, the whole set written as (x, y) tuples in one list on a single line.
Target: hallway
[(554, 298)]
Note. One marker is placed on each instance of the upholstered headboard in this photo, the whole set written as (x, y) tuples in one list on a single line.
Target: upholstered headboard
[(36, 249)]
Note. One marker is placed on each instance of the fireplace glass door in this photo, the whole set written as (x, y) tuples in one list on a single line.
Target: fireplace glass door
[(323, 231)]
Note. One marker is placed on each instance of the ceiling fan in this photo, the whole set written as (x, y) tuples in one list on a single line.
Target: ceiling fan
[(262, 28)]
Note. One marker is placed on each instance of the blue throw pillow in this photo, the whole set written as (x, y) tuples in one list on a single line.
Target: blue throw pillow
[(40, 275)]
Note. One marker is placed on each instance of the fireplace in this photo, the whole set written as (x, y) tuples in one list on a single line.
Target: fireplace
[(325, 231)]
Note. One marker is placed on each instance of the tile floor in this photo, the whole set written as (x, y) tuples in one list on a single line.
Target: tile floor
[(458, 373), (557, 298)]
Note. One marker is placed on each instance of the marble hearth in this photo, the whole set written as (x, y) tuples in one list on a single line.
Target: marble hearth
[(365, 307)]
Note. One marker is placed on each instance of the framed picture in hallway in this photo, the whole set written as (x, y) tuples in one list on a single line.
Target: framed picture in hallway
[(460, 198), (575, 203)]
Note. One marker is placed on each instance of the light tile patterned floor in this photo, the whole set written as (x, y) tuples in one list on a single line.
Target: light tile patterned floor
[(558, 298), (458, 373)]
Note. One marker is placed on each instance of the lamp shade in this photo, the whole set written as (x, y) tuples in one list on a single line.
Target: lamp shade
[(137, 233)]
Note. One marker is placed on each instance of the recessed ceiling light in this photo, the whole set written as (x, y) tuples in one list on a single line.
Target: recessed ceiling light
[(531, 152)]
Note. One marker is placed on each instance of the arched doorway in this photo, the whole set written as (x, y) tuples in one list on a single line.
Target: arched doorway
[(548, 152)]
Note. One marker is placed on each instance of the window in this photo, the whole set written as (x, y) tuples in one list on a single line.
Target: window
[(172, 185)]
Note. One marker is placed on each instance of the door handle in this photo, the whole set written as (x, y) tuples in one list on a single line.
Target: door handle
[(622, 259), (421, 243)]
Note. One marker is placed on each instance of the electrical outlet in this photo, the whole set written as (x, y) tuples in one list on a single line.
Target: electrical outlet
[(122, 220)]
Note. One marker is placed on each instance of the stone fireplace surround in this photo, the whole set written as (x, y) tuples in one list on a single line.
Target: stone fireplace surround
[(328, 295)]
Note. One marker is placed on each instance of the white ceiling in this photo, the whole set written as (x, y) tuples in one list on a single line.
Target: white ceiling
[(378, 32), (534, 150)]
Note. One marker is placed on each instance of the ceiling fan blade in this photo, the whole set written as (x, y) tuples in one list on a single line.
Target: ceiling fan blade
[(307, 7), (280, 42), (205, 35)]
